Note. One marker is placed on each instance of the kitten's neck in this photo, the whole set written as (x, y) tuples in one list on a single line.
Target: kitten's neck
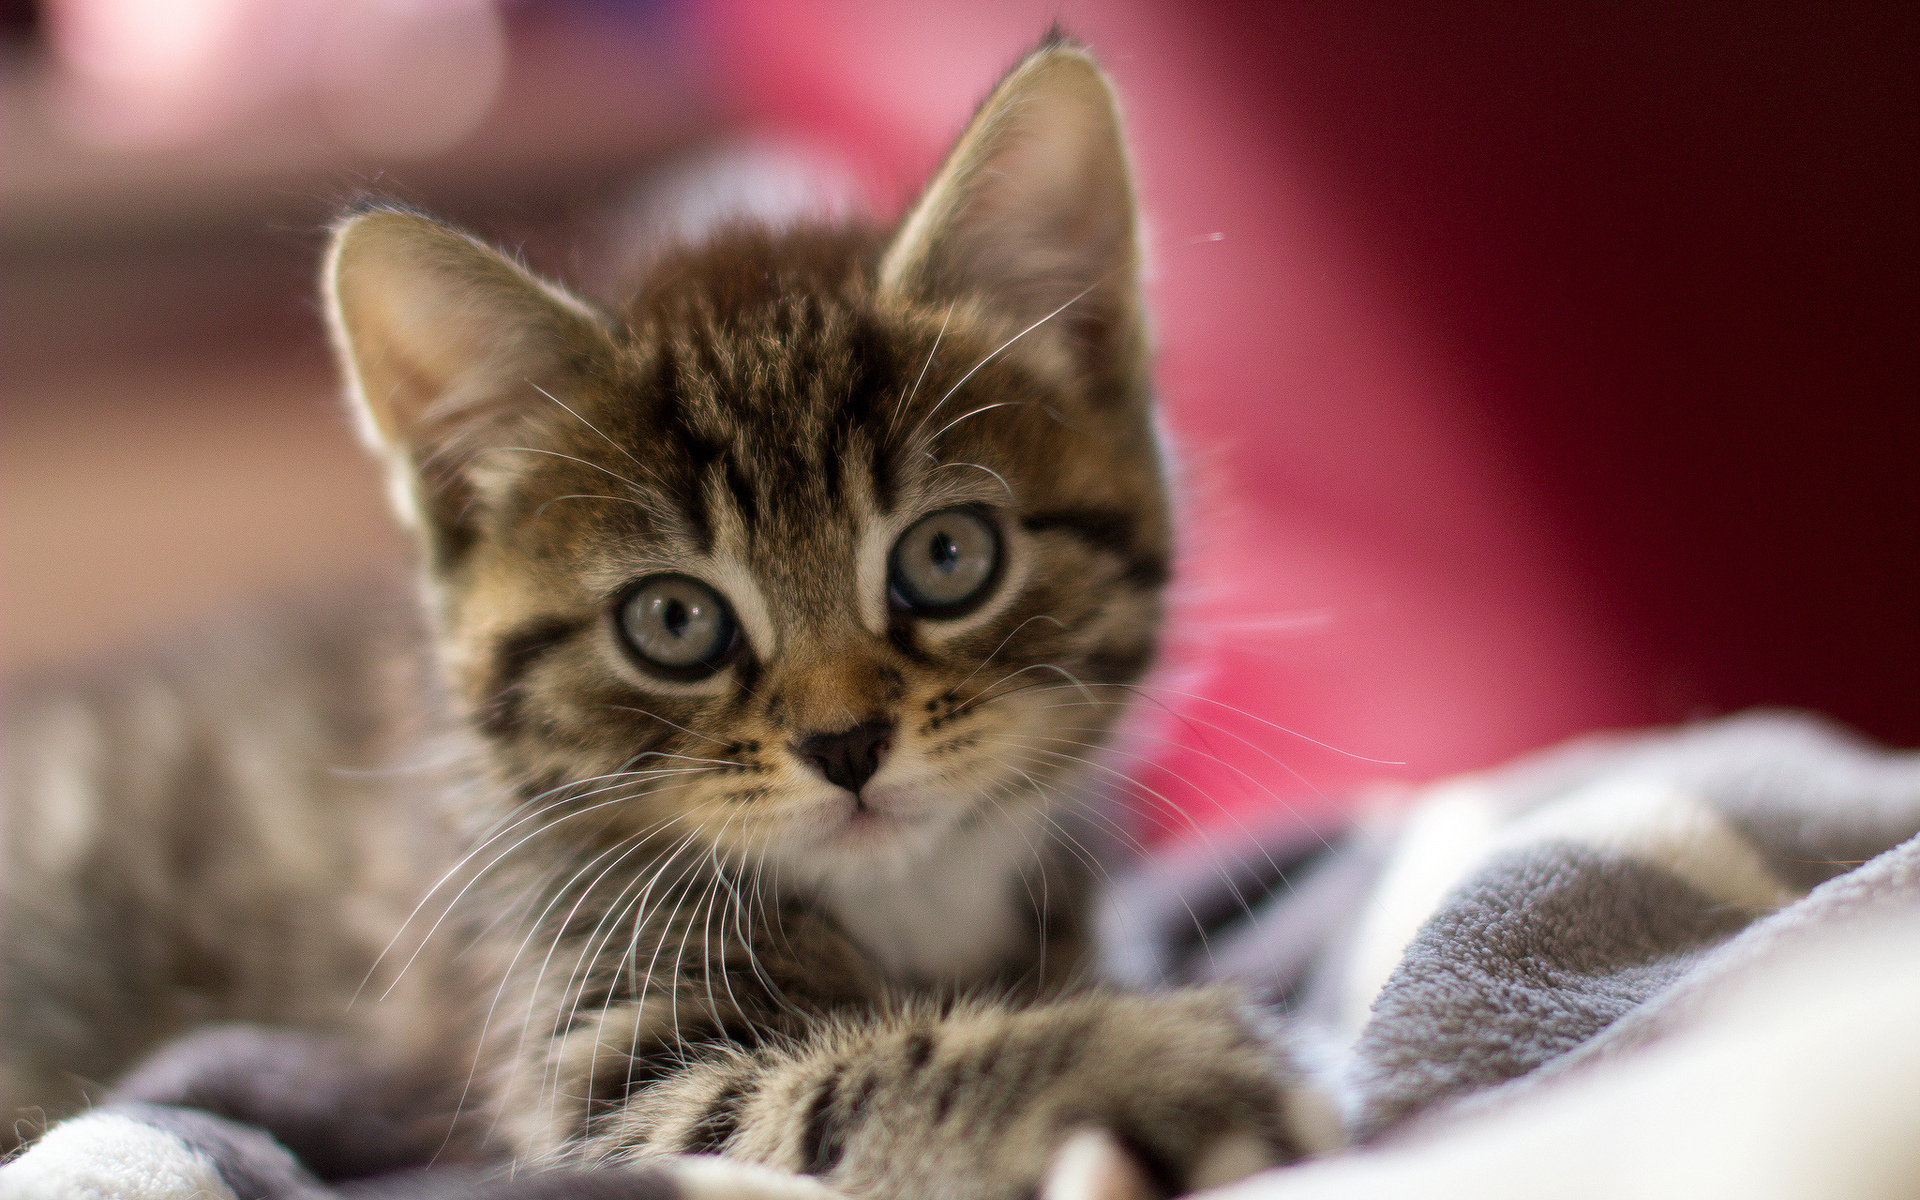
[(978, 909)]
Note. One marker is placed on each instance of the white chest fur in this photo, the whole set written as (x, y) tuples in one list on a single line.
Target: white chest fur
[(960, 915)]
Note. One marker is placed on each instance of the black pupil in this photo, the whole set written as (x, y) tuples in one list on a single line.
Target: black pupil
[(674, 616), (943, 551)]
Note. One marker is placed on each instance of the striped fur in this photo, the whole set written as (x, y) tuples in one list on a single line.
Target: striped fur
[(687, 939)]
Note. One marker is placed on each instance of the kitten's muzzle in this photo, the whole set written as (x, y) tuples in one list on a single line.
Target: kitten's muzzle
[(848, 758)]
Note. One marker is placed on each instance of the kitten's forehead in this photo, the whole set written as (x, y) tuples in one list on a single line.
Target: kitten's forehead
[(788, 466), (777, 397), (782, 424)]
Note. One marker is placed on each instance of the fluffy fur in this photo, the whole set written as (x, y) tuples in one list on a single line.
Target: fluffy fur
[(687, 933)]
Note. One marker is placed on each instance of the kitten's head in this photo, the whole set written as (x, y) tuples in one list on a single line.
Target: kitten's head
[(835, 541)]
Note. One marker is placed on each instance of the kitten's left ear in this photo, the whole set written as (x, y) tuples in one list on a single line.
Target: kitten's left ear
[(1033, 215)]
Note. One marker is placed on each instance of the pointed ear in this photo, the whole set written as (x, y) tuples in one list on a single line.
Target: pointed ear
[(445, 344), (1033, 215)]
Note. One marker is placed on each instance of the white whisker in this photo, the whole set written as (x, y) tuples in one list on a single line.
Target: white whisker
[(894, 421), (976, 466), (644, 468), (1076, 298)]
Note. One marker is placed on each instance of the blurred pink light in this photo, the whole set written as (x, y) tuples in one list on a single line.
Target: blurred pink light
[(138, 45), (411, 76), (393, 76), (138, 71)]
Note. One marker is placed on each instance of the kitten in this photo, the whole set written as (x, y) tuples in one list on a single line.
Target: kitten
[(774, 622)]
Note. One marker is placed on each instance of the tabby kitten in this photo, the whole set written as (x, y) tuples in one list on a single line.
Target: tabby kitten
[(776, 617)]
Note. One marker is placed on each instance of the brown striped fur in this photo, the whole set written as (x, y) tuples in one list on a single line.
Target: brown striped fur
[(690, 940)]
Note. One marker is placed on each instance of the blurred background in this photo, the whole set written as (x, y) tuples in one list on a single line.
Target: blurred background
[(1536, 368)]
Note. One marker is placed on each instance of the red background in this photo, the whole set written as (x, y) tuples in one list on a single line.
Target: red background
[(1555, 366)]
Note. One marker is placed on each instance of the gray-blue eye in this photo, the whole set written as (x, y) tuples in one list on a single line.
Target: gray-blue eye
[(677, 624), (945, 562)]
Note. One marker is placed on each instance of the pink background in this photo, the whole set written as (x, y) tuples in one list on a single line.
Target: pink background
[(1534, 371)]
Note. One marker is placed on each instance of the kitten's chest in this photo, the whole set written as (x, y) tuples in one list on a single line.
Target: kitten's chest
[(974, 912)]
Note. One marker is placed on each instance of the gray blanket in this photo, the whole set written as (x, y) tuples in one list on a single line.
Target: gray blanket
[(1515, 984)]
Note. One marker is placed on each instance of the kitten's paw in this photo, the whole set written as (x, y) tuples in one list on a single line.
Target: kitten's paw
[(1181, 1093), (1101, 1097), (1093, 1165), (704, 1177)]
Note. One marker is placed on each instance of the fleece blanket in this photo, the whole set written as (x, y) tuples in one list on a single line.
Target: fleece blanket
[(1683, 963)]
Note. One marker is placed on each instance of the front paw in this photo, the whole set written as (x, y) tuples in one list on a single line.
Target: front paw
[(1171, 1094), (982, 1102)]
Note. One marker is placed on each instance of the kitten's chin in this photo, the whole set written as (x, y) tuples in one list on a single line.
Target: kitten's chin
[(871, 836), (885, 823), (891, 830)]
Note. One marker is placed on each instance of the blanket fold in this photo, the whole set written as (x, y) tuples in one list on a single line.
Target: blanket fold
[(1544, 938)]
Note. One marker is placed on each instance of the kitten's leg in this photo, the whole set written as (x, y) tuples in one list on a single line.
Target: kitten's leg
[(202, 834), (977, 1102)]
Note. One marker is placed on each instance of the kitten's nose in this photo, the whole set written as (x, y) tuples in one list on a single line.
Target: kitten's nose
[(848, 758)]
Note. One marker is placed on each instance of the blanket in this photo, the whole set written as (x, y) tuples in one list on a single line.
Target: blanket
[(1673, 963)]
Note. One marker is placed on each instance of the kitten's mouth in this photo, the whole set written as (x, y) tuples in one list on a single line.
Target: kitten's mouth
[(875, 816), (866, 818)]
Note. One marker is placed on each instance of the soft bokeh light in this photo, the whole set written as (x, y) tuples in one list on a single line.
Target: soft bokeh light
[(403, 76)]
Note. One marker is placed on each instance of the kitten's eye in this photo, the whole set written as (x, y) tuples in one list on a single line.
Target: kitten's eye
[(945, 561), (678, 624)]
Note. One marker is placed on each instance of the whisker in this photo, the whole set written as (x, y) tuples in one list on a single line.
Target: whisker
[(1054, 667), (1144, 691), (1093, 811), (583, 968), (635, 985), (744, 926), (588, 496), (503, 855), (1172, 808), (1312, 618), (570, 458), (974, 413), (1041, 904), (893, 422), (559, 933), (519, 908), (659, 945), (706, 937), (496, 831), (1120, 830), (1190, 721), (644, 468), (1179, 810), (1294, 733), (682, 728), (456, 868), (1003, 645), (737, 901), (1283, 764), (507, 977), (1075, 299), (680, 958), (976, 466)]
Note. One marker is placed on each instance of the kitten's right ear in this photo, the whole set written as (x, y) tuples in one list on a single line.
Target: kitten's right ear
[(1033, 214), (446, 344)]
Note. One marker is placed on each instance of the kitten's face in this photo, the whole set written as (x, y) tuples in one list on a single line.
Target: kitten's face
[(794, 569), (831, 547)]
